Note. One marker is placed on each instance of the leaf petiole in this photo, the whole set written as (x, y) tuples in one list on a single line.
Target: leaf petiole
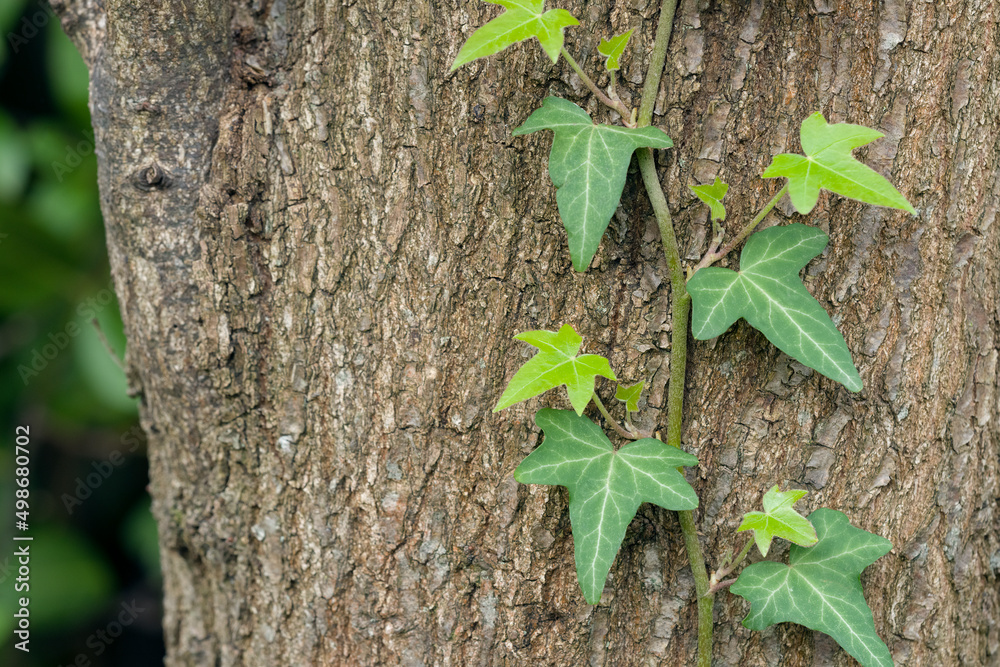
[(614, 424), (615, 104), (718, 580), (714, 255)]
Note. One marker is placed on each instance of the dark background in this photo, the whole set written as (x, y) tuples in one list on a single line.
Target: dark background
[(94, 581)]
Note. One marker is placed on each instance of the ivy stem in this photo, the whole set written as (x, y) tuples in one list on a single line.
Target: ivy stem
[(658, 57), (617, 105), (713, 255), (706, 598), (681, 300), (611, 420), (681, 310)]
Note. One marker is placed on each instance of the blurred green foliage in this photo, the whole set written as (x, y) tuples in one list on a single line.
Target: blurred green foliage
[(94, 538)]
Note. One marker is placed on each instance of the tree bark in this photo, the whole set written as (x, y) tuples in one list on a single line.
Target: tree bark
[(323, 243)]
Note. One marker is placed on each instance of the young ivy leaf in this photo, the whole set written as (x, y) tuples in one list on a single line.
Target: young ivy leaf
[(712, 195), (820, 588), (828, 164), (779, 520), (556, 363), (605, 487), (768, 294), (588, 165), (630, 395), (522, 20), (612, 49)]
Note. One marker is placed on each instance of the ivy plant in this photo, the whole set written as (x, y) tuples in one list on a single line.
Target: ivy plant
[(557, 363), (588, 165), (779, 519), (523, 19), (820, 585), (768, 294), (606, 487)]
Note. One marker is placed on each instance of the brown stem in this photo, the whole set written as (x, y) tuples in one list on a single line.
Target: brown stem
[(721, 585), (716, 582)]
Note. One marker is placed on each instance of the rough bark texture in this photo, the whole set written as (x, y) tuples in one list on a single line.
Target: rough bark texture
[(323, 243)]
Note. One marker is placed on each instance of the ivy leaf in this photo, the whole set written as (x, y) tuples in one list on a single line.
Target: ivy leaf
[(556, 363), (820, 588), (630, 395), (522, 20), (612, 49), (828, 164), (779, 520), (588, 165), (712, 195), (768, 294), (606, 487)]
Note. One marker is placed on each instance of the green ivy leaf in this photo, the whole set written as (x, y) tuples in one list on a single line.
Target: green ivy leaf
[(556, 363), (768, 294), (612, 49), (522, 20), (779, 520), (606, 487), (630, 395), (820, 588), (828, 164), (588, 165), (712, 195)]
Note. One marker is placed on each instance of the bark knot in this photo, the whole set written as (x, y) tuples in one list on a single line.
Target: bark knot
[(151, 177)]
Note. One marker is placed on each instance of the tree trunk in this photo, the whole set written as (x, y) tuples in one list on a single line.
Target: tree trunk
[(323, 243)]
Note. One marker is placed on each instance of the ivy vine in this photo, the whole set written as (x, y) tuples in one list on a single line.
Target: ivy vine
[(820, 585)]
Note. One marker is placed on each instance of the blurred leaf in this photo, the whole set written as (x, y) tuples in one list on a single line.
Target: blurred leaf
[(140, 537), (10, 14), (34, 267), (66, 210), (98, 369), (48, 141), (15, 160), (68, 78)]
